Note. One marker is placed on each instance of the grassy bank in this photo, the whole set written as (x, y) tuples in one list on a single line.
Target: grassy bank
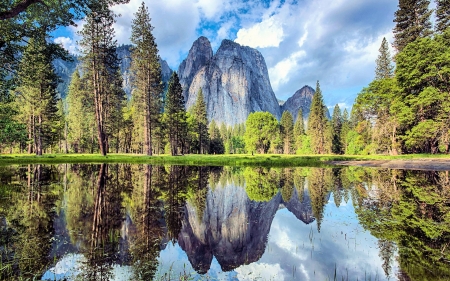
[(211, 160)]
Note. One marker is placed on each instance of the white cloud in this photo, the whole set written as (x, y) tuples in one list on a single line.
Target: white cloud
[(268, 33), (68, 44), (280, 73), (263, 271)]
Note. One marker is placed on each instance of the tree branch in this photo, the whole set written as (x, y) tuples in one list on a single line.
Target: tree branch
[(17, 9)]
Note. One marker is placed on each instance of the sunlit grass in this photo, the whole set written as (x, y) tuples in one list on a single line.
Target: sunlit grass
[(213, 160)]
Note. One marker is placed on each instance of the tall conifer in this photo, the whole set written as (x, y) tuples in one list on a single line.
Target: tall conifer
[(176, 115), (299, 130), (101, 64), (412, 21), (287, 132), (336, 125), (37, 92), (199, 112), (384, 68), (317, 122), (147, 75)]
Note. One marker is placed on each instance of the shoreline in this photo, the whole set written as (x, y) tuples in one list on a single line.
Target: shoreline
[(429, 164), (409, 162)]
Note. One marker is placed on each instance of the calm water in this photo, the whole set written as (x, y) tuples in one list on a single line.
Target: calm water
[(140, 222)]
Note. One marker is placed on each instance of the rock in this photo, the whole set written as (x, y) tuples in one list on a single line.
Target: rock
[(301, 99), (199, 55), (235, 82)]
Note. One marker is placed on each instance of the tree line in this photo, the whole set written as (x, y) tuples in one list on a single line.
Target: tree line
[(405, 109)]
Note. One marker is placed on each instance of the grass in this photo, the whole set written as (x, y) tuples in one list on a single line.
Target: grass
[(272, 160)]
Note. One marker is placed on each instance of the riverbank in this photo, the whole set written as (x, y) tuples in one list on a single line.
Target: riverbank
[(415, 161)]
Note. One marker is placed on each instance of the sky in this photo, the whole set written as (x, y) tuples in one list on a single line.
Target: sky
[(302, 41)]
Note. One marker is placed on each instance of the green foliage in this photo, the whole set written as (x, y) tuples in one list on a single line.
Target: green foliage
[(317, 123), (336, 127), (423, 72), (261, 127), (36, 94), (412, 22), (147, 78), (384, 68), (287, 132), (175, 115), (305, 148), (201, 129), (216, 145), (442, 15)]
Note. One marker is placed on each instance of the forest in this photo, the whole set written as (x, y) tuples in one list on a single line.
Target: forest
[(405, 109)]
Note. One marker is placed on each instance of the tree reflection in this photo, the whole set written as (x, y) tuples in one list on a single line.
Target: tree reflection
[(319, 180), (261, 183), (148, 217), (27, 226), (411, 209)]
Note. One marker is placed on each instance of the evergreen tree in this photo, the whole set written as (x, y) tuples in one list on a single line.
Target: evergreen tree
[(412, 21), (336, 125), (175, 115), (344, 131), (37, 93), (101, 64), (199, 112), (287, 132), (317, 122), (384, 68), (299, 130), (147, 75), (442, 15), (80, 115), (216, 145)]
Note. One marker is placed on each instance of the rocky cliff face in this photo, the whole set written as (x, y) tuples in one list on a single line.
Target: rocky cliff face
[(199, 55), (300, 100), (233, 228), (235, 82)]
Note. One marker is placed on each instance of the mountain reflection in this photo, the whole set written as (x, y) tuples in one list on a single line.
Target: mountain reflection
[(123, 216)]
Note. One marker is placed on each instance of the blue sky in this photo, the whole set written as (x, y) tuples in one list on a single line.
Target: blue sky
[(302, 41)]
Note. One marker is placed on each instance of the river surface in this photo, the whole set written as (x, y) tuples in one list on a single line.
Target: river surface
[(141, 222)]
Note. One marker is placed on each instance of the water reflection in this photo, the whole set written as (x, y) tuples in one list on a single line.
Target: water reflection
[(122, 222)]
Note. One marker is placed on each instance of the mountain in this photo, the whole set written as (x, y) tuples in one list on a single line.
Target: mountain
[(234, 81), (65, 69), (199, 55), (301, 99)]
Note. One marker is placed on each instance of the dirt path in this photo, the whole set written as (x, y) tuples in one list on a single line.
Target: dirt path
[(428, 164)]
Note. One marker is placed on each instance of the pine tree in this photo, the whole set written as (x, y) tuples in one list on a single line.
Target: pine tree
[(37, 93), (216, 145), (336, 125), (412, 22), (287, 132), (199, 112), (442, 15), (175, 115), (384, 68), (299, 130), (80, 115), (100, 64), (344, 130), (147, 76), (317, 122)]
